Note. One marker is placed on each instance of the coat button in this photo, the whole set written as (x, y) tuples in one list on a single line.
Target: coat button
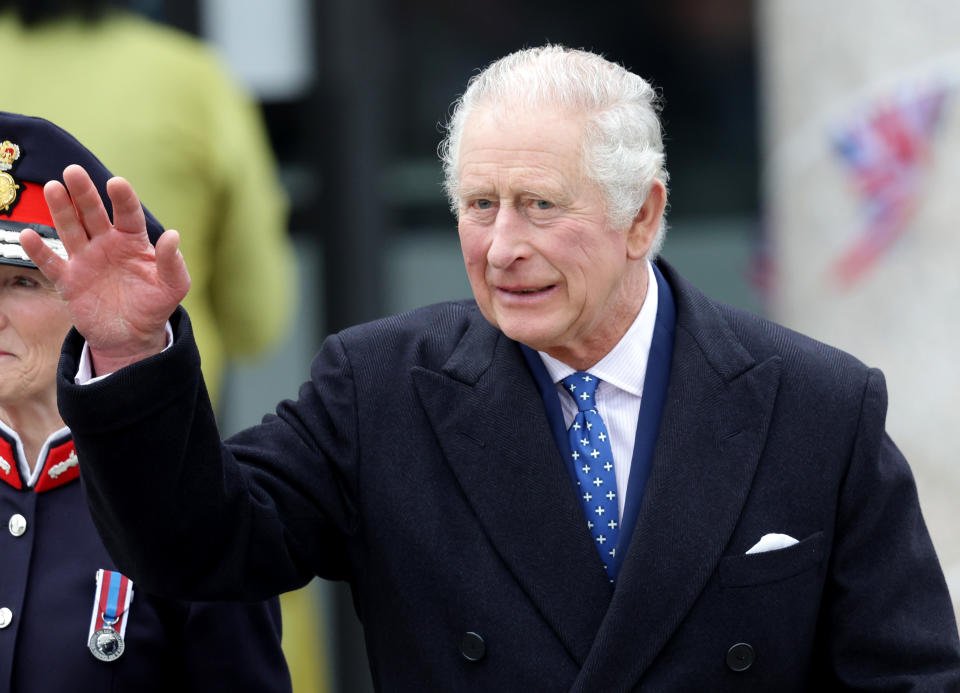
[(17, 525), (472, 647), (740, 657), (6, 616)]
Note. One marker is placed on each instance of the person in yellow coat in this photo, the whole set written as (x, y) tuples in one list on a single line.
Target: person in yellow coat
[(195, 146)]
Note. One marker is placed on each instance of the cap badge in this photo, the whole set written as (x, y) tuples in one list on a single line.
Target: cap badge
[(9, 153), (9, 189)]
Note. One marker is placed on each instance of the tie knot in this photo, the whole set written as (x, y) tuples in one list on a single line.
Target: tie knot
[(582, 386)]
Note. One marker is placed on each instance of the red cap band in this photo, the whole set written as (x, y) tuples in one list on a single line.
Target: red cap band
[(31, 207)]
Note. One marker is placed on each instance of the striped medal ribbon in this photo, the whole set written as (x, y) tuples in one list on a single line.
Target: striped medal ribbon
[(108, 624)]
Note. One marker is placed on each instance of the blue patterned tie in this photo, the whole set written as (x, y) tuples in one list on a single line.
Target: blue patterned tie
[(593, 460)]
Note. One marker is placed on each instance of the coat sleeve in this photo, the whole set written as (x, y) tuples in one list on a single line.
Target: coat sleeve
[(887, 616), (190, 517)]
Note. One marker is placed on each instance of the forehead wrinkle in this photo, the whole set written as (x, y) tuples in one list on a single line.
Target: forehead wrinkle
[(513, 156), (518, 179)]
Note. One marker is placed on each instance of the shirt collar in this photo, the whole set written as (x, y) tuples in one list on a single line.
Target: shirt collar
[(624, 366)]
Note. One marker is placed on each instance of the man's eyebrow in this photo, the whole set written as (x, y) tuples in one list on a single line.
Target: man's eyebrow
[(474, 191), (557, 195)]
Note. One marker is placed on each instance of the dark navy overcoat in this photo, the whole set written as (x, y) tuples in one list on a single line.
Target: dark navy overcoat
[(418, 464)]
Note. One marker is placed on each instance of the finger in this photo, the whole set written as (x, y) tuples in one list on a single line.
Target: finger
[(48, 262), (86, 198), (127, 211), (65, 219), (171, 267)]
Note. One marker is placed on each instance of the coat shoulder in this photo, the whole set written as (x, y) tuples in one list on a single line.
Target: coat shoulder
[(764, 338), (734, 340), (427, 336)]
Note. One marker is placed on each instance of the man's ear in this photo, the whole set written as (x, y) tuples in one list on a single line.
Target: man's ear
[(644, 227)]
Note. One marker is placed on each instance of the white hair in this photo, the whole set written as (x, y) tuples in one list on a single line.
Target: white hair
[(622, 145)]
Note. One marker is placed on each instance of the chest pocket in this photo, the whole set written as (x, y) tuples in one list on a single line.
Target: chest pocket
[(771, 566)]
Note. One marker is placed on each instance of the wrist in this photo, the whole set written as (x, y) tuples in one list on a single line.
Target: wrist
[(106, 361)]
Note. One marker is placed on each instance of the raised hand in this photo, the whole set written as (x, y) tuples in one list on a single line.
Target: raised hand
[(119, 289)]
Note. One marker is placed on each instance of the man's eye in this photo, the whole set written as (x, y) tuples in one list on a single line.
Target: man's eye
[(543, 204), (24, 281), (483, 204)]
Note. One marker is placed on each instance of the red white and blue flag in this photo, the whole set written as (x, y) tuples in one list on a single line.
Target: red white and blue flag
[(887, 152)]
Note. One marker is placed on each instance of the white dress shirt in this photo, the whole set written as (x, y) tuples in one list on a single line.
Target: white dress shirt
[(618, 397)]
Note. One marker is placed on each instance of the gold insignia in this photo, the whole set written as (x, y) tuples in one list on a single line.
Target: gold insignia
[(8, 191), (9, 153)]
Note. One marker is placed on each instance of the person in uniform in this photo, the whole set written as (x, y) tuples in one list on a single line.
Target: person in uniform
[(69, 620)]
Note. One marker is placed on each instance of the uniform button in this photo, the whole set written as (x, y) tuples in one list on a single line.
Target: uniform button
[(472, 647), (740, 657), (17, 525), (6, 616)]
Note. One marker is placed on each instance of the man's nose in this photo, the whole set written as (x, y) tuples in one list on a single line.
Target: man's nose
[(510, 242)]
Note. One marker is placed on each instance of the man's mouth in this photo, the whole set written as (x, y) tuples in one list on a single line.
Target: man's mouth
[(527, 290)]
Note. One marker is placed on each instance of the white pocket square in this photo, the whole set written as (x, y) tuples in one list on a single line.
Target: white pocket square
[(772, 542)]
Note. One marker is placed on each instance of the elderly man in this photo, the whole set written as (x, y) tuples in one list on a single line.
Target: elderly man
[(591, 478)]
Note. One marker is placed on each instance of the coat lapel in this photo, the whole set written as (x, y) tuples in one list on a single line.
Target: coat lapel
[(713, 428), (489, 420)]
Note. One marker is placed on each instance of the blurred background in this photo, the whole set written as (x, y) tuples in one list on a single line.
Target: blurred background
[(810, 147)]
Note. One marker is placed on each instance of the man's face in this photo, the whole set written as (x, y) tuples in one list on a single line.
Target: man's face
[(543, 264)]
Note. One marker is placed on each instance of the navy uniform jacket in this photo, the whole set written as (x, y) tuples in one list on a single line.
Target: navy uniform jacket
[(48, 580), (418, 464)]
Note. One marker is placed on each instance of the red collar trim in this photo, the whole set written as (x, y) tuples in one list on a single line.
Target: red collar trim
[(9, 469), (60, 466)]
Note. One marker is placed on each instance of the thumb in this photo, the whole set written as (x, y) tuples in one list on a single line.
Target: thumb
[(47, 261)]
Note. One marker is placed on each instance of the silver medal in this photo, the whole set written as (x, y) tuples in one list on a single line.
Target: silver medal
[(106, 644)]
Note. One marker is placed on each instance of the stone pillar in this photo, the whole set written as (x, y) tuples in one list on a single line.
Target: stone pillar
[(862, 165)]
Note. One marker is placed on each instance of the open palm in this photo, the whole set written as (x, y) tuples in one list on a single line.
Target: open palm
[(119, 289)]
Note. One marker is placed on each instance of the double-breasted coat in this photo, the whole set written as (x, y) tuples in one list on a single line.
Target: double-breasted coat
[(418, 464)]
